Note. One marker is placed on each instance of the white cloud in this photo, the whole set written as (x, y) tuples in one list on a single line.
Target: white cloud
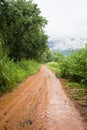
[(66, 17), (65, 44)]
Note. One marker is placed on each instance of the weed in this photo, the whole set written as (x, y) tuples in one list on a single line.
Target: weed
[(12, 73), (54, 66)]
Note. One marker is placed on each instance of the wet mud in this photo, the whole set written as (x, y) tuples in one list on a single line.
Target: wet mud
[(42, 105)]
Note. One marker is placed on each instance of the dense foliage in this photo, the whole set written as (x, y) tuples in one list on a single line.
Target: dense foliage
[(21, 28), (57, 56), (12, 73), (49, 56), (22, 41), (54, 66), (53, 60), (74, 67)]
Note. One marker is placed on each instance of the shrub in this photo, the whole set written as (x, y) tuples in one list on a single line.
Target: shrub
[(74, 67), (12, 73), (54, 66)]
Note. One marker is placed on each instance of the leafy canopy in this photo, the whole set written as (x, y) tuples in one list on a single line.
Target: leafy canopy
[(21, 28)]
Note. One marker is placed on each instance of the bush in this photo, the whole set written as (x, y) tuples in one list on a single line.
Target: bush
[(54, 66), (74, 67), (12, 73)]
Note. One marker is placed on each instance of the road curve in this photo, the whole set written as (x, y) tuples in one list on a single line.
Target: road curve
[(43, 105)]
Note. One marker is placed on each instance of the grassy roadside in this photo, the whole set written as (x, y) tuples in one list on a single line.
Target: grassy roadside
[(54, 66), (78, 95), (12, 73), (76, 92)]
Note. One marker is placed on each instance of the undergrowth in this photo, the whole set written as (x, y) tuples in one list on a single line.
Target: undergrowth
[(12, 73), (54, 66), (78, 94)]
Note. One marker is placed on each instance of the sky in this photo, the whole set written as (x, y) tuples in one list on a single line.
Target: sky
[(66, 18)]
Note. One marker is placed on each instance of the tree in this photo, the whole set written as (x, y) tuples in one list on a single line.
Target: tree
[(57, 56), (74, 67), (21, 27)]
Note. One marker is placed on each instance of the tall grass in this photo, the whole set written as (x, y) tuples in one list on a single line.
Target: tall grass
[(54, 66), (12, 73)]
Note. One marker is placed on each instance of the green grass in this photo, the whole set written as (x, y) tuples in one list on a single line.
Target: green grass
[(76, 91), (54, 66), (12, 73)]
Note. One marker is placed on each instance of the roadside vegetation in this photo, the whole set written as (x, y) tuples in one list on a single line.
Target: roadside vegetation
[(78, 95), (12, 73), (22, 41), (72, 71), (54, 66), (74, 67)]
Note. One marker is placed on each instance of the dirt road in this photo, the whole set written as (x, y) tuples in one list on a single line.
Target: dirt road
[(43, 105)]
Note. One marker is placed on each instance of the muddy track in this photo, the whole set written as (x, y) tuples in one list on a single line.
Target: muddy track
[(43, 105)]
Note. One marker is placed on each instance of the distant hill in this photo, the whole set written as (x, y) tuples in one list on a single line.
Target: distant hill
[(68, 52), (66, 45)]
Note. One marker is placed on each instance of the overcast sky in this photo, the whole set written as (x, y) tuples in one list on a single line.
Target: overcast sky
[(66, 18)]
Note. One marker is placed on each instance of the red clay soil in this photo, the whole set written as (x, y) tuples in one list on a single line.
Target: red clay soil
[(41, 105)]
